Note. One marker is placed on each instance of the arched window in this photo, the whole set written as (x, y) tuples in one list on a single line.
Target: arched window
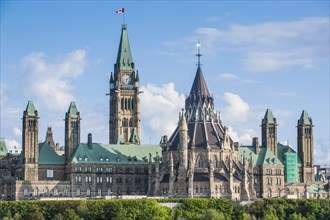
[(46, 191), (55, 191), (122, 104), (125, 103), (200, 161), (205, 189), (131, 123), (129, 104), (196, 189), (25, 191), (78, 191), (269, 193), (201, 189), (215, 161), (65, 191), (109, 192), (99, 192), (278, 192), (235, 189), (132, 104), (88, 193), (35, 192), (238, 189)]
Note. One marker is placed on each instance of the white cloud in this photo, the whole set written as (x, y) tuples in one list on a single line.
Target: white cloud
[(213, 18), (159, 110), (48, 81), (273, 45), (237, 109), (234, 78), (17, 132)]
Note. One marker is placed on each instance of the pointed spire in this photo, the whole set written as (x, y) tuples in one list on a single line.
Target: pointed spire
[(111, 78), (73, 111), (124, 57), (199, 86), (269, 118), (304, 118), (137, 77), (30, 109)]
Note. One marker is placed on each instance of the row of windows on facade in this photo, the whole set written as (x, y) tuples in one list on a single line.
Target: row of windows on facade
[(106, 159), (110, 169), (55, 192), (46, 192), (108, 179), (287, 192), (269, 172), (108, 192), (127, 104)]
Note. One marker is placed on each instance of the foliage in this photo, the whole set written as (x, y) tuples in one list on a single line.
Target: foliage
[(190, 209)]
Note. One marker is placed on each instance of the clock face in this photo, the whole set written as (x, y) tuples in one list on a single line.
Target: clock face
[(126, 79)]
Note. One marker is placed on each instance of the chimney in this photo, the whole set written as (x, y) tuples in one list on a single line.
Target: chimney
[(90, 141), (255, 144)]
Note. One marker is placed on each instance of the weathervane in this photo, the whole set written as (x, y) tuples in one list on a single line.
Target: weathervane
[(198, 54)]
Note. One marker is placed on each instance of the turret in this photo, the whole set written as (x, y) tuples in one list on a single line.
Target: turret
[(269, 131), (72, 131), (305, 141), (183, 143), (30, 143)]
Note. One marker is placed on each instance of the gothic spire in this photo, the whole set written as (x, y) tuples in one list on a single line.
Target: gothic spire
[(124, 57)]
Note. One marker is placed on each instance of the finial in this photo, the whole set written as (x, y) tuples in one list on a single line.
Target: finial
[(198, 53)]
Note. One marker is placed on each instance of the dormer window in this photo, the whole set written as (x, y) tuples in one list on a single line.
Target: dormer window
[(79, 158), (101, 159), (118, 159), (107, 159), (86, 159)]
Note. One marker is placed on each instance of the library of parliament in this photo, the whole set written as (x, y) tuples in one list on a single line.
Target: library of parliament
[(199, 159)]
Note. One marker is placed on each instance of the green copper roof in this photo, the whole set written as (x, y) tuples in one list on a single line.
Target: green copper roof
[(315, 189), (73, 112), (47, 155), (269, 117), (30, 109), (124, 57), (304, 118), (266, 156), (3, 148), (114, 154)]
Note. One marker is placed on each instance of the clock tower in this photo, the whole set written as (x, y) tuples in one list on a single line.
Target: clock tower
[(124, 117)]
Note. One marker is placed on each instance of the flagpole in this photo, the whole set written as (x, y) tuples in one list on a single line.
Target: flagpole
[(124, 16)]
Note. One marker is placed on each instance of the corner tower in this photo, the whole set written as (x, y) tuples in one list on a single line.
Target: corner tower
[(30, 143), (306, 146), (124, 115), (269, 132), (72, 130)]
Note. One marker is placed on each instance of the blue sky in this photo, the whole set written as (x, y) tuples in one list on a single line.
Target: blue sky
[(256, 55)]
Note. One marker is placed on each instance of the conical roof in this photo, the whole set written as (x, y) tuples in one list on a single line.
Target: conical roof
[(73, 111), (269, 118), (124, 56), (199, 86), (30, 109), (304, 118)]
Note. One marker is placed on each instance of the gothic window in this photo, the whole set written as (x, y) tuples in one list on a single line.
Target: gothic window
[(129, 104), (109, 192), (99, 192), (196, 189), (65, 191), (205, 189), (200, 163), (35, 193), (88, 193), (238, 189), (235, 189), (269, 193), (132, 104), (25, 191), (46, 191), (78, 191), (131, 124), (125, 103), (201, 189), (55, 191), (278, 192), (215, 161), (122, 104)]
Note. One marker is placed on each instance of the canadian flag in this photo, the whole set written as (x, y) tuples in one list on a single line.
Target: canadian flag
[(122, 10)]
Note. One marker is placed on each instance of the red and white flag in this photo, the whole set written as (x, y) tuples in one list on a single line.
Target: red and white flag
[(122, 10)]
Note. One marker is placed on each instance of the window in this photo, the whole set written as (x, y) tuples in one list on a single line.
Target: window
[(278, 172), (25, 191), (50, 173), (86, 159), (106, 159), (88, 193), (269, 171), (35, 192), (78, 191), (109, 192), (101, 159), (65, 191), (46, 191), (99, 192), (55, 191)]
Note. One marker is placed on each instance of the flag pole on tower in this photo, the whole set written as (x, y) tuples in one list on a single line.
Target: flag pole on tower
[(121, 11)]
